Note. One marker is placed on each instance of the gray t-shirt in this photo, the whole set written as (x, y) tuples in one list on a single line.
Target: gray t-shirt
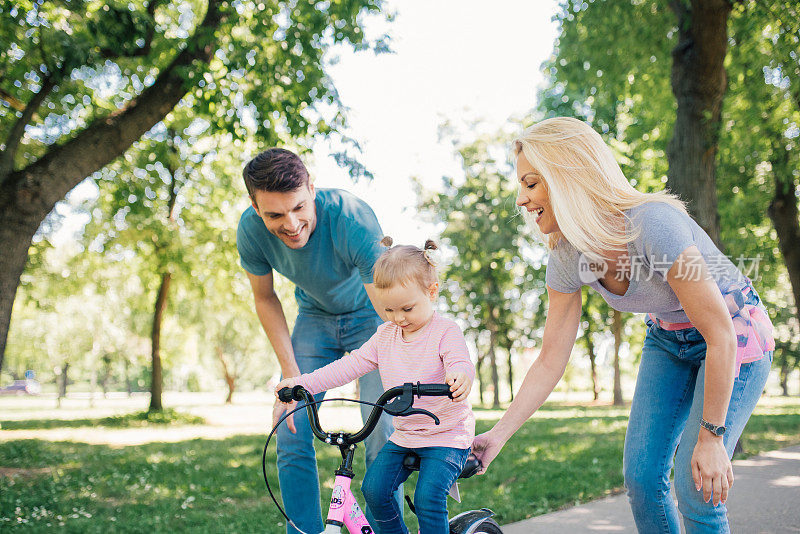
[(665, 232)]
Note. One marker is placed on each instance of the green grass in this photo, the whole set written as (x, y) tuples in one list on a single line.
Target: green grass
[(565, 455), (131, 420)]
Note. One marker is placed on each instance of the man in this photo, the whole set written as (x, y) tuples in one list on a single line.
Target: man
[(326, 242)]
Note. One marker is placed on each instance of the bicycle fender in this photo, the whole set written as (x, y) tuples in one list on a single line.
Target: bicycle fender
[(466, 522)]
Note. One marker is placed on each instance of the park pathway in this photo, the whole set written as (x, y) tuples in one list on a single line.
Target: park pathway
[(765, 498)]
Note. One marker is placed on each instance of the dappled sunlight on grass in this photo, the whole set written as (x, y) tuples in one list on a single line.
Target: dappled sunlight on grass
[(565, 454)]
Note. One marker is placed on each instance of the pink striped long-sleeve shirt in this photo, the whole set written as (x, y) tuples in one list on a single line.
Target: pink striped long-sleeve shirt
[(439, 348)]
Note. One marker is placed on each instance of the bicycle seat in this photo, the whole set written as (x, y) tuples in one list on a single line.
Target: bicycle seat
[(411, 462)]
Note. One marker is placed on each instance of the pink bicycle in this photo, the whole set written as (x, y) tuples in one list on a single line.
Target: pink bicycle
[(344, 510)]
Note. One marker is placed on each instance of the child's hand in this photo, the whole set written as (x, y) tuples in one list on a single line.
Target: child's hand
[(285, 383), (281, 407), (460, 385)]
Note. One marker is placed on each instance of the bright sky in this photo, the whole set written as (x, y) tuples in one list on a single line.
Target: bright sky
[(456, 61)]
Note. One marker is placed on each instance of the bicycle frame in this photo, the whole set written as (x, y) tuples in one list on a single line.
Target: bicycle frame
[(344, 510)]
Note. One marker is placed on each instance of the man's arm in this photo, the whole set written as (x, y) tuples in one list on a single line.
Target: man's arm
[(273, 320), (372, 293)]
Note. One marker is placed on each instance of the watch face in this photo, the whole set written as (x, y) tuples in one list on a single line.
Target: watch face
[(720, 430)]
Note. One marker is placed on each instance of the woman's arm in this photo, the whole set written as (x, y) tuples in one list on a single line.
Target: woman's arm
[(560, 330), (703, 303)]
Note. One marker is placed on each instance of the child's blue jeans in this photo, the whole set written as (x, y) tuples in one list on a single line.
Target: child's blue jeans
[(439, 468), (665, 418)]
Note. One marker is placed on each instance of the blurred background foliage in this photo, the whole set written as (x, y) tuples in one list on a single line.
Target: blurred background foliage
[(153, 281)]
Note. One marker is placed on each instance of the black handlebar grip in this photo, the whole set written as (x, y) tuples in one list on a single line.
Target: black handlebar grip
[(285, 395), (297, 392), (435, 390)]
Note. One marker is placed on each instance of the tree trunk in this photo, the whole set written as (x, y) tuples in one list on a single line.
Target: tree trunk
[(156, 382), (106, 375), (128, 385), (156, 376), (92, 385), (699, 82), (27, 195), (230, 378), (784, 215), (62, 387), (510, 377), (617, 327), (784, 377), (493, 367), (481, 385), (587, 336)]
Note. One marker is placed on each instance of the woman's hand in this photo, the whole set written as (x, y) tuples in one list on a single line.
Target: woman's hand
[(486, 447), (711, 468)]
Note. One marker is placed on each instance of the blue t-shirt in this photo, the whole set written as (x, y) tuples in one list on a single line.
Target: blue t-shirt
[(664, 233), (331, 269)]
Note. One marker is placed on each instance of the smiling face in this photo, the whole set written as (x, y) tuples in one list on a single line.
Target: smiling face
[(409, 307), (533, 196), (290, 216)]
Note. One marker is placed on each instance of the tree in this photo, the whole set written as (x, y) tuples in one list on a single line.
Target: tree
[(82, 81), (591, 351), (754, 148), (699, 82), (488, 282)]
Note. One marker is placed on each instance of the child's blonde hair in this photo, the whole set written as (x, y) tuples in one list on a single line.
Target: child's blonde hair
[(404, 265), (588, 192)]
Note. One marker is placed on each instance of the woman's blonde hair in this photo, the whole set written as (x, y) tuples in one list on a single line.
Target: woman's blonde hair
[(404, 265), (588, 192)]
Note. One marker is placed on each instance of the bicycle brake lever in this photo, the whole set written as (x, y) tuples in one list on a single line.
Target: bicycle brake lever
[(399, 405), (420, 411)]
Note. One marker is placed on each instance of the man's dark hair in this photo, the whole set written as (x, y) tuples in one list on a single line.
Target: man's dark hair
[(275, 170)]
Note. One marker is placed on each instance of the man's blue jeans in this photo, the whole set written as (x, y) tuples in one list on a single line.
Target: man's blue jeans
[(439, 468), (318, 340), (665, 416)]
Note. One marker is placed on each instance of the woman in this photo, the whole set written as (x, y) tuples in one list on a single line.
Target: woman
[(709, 342)]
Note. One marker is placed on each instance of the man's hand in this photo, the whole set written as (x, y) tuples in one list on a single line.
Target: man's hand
[(277, 412), (281, 407), (460, 385)]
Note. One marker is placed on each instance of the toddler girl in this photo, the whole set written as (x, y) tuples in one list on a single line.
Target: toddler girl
[(416, 345)]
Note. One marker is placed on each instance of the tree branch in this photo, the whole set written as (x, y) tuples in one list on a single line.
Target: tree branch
[(12, 100), (18, 130), (44, 182)]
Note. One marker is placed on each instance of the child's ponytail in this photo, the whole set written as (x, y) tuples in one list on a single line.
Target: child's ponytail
[(403, 264)]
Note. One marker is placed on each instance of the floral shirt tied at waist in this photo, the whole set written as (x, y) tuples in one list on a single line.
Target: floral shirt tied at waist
[(754, 331)]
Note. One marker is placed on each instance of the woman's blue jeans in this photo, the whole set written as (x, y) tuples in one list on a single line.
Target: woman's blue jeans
[(665, 417), (438, 470), (318, 340)]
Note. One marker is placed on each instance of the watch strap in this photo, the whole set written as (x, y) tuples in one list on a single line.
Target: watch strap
[(717, 430)]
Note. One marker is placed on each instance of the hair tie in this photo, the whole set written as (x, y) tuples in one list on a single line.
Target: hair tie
[(427, 254)]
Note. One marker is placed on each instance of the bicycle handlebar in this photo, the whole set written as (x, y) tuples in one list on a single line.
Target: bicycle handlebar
[(399, 407)]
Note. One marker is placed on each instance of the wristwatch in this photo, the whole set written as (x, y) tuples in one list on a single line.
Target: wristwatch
[(714, 429)]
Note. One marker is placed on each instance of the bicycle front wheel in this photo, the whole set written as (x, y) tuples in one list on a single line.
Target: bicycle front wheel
[(489, 526)]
